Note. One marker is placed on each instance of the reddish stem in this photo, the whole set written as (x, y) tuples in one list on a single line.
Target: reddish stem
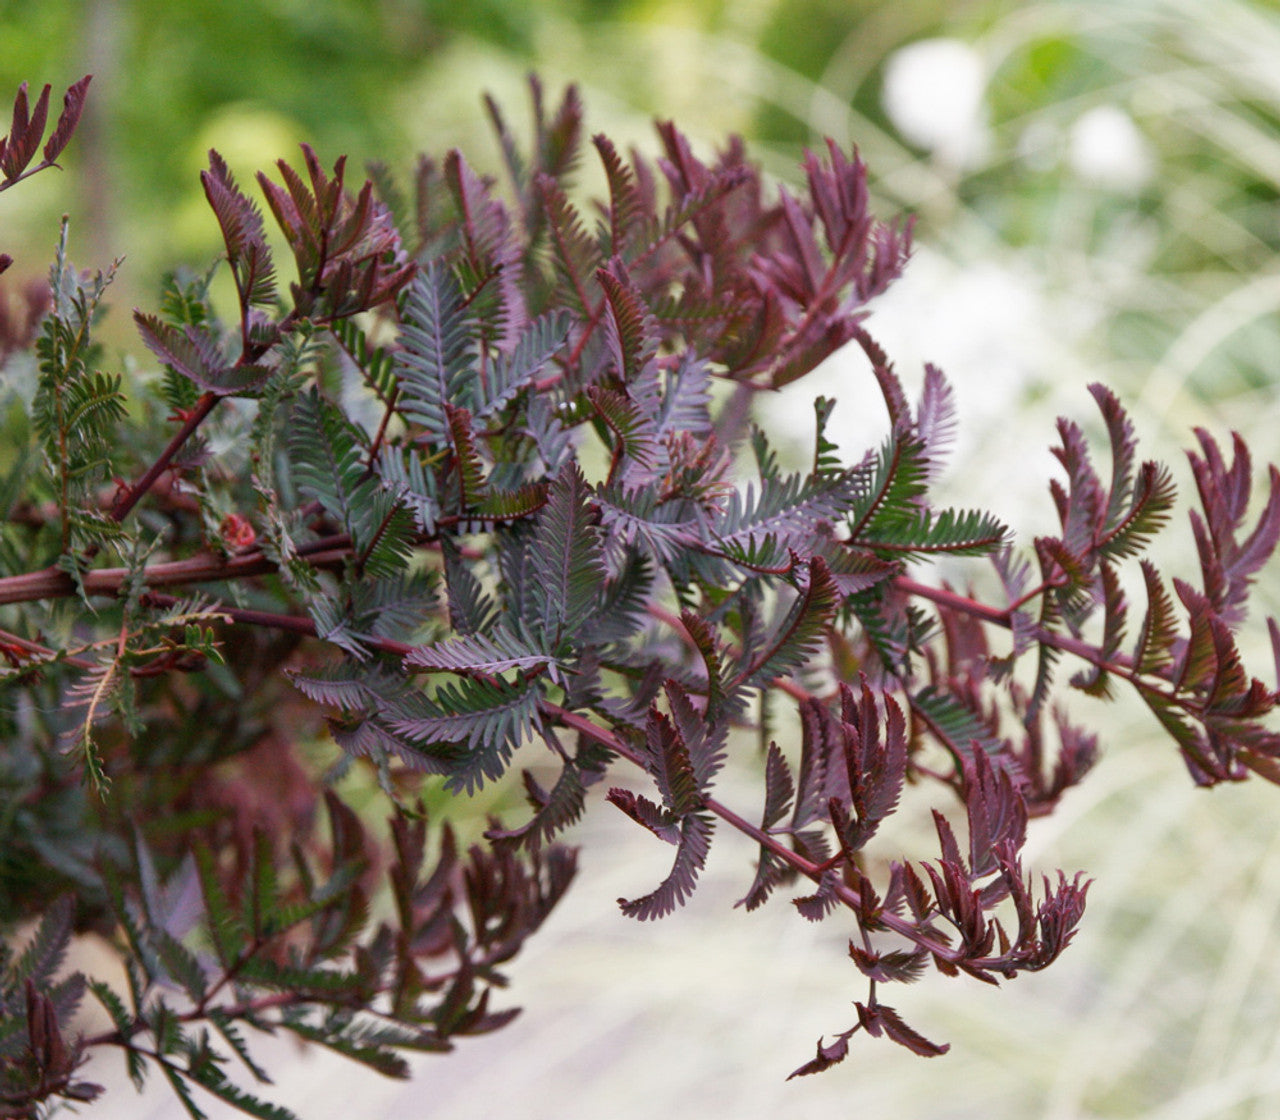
[(129, 498)]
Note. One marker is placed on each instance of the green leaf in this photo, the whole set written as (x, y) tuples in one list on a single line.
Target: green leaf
[(376, 1057), (328, 457), (1153, 497), (631, 428), (212, 1080), (375, 363), (931, 532), (226, 1027), (180, 963), (889, 488), (404, 475), (182, 1091), (319, 984), (225, 927), (262, 890), (384, 533)]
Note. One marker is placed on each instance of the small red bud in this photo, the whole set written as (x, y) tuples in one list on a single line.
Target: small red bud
[(237, 533)]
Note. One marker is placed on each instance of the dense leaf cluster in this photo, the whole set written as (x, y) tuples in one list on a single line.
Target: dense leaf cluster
[(484, 482)]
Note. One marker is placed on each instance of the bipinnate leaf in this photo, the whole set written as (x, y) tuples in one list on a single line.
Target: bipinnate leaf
[(801, 630), (19, 147), (567, 565), (485, 718), (72, 106), (692, 845), (242, 232), (434, 365), (575, 255), (479, 655), (827, 1056), (1227, 563), (879, 1019), (629, 327), (192, 352), (875, 758), (555, 420)]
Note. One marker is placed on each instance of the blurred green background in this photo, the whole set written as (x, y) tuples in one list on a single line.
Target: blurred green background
[(1095, 186)]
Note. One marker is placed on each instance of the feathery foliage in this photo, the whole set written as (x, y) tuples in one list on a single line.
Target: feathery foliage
[(465, 491)]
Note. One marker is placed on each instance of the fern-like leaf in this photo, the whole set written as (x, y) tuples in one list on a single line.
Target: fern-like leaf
[(692, 844), (567, 563), (329, 459), (575, 255), (242, 232), (629, 328), (478, 655), (956, 727), (1154, 651), (930, 532), (435, 365), (488, 718), (516, 371), (800, 632)]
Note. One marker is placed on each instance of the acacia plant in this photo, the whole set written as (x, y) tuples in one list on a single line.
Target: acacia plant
[(483, 481)]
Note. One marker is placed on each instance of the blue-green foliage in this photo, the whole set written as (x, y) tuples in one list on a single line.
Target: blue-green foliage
[(76, 408)]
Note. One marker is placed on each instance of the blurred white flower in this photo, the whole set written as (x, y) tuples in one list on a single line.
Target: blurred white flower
[(933, 93), (1106, 149)]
